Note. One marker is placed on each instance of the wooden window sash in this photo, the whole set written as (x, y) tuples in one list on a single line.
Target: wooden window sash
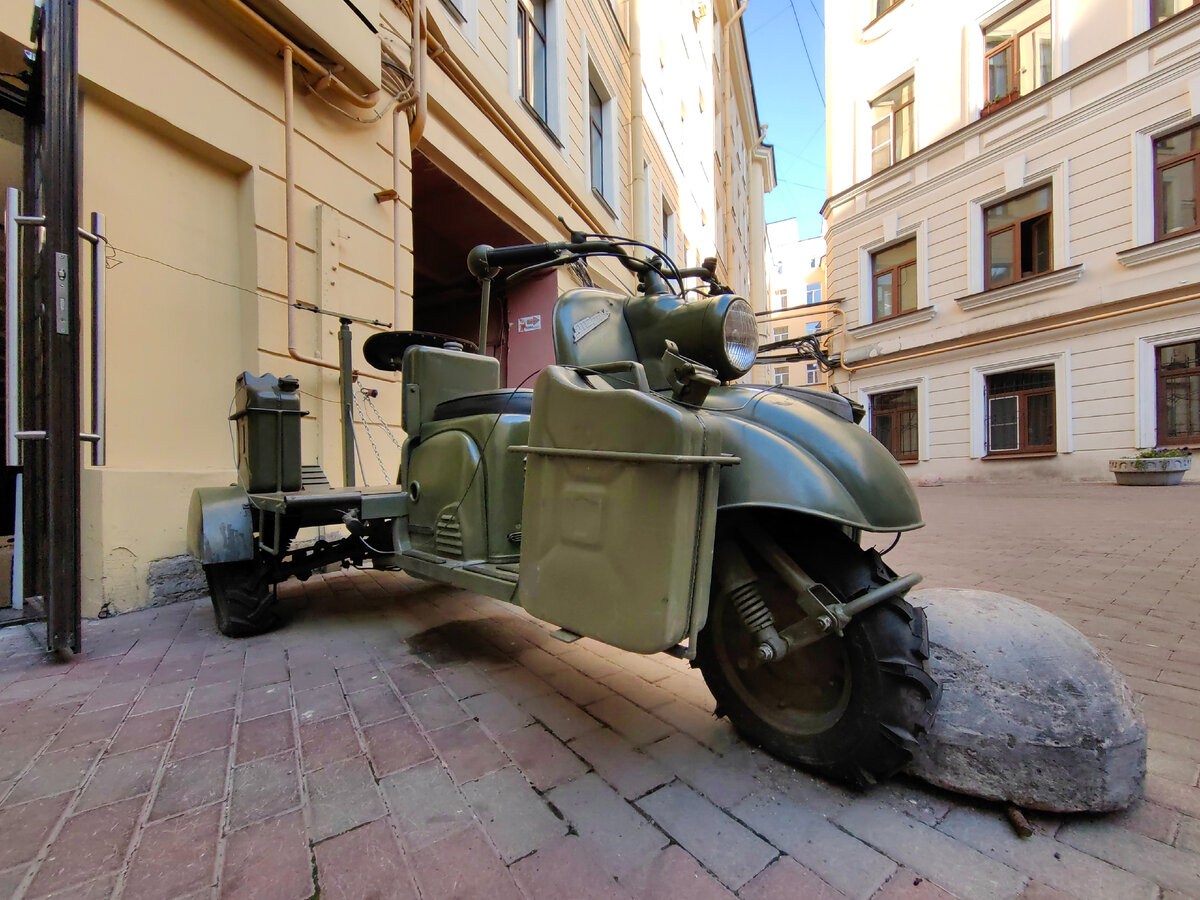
[(895, 425), (1023, 446), (1014, 73), (1159, 168), (1018, 265), (895, 272), (1161, 377)]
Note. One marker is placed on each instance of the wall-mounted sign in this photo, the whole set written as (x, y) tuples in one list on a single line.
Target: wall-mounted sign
[(529, 323)]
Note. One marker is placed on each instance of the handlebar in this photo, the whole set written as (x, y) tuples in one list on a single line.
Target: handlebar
[(484, 258)]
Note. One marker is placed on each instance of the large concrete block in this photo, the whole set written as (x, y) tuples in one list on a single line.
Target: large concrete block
[(1031, 712)]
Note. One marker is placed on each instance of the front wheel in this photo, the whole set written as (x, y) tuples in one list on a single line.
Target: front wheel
[(851, 708), (241, 598)]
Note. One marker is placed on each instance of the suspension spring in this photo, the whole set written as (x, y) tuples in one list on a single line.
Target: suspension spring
[(751, 608)]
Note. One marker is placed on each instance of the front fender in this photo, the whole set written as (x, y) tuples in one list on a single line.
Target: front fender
[(219, 525), (796, 455)]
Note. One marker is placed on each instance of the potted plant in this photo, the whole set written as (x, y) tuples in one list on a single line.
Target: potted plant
[(1157, 466)]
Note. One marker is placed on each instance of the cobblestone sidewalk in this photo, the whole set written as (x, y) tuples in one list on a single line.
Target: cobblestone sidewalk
[(397, 739)]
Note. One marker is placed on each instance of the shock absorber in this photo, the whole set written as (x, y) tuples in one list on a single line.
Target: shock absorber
[(739, 581)]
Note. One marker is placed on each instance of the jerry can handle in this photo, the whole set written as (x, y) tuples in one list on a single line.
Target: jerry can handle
[(624, 365)]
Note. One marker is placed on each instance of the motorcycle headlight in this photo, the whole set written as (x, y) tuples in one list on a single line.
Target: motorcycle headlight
[(740, 331)]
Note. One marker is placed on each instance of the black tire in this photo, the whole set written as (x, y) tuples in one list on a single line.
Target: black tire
[(851, 708), (242, 598)]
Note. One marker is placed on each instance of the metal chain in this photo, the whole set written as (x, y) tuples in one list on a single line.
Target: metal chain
[(379, 416), (370, 437)]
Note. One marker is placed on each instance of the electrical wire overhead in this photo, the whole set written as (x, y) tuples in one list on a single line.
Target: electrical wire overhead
[(807, 56)]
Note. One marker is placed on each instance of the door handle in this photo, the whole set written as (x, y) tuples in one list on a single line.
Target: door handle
[(13, 220), (99, 241)]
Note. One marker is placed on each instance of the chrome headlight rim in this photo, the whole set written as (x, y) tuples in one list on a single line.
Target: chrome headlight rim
[(739, 336)]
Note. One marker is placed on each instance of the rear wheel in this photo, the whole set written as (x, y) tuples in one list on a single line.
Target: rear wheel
[(241, 597), (852, 708)]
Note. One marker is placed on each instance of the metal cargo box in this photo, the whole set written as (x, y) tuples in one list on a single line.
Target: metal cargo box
[(619, 511)]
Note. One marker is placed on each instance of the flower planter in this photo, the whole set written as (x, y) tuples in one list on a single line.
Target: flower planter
[(1150, 470)]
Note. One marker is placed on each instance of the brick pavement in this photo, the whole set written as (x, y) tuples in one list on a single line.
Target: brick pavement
[(397, 739)]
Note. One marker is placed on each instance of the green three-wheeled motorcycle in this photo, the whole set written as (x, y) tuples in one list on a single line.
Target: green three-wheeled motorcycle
[(636, 495)]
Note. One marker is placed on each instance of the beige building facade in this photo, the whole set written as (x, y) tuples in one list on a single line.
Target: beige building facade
[(796, 269), (260, 160), (1013, 231)]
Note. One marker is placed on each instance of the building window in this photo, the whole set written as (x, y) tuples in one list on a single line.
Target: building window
[(894, 422), (531, 41), (668, 228), (1018, 242), (1176, 175), (782, 376), (781, 298), (1177, 374), (811, 374), (812, 327), (892, 126), (1161, 10), (779, 333), (894, 280), (1020, 412), (812, 294), (1019, 54), (596, 130), (882, 6), (456, 10)]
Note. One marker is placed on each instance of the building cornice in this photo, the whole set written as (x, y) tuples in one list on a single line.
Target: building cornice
[(1178, 69), (1057, 278)]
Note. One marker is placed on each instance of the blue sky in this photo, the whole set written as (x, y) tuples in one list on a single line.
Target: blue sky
[(790, 102)]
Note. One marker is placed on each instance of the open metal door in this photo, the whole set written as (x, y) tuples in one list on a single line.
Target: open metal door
[(42, 330)]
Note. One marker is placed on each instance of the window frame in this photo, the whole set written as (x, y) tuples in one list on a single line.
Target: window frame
[(1157, 20), (596, 162), (812, 374), (1014, 43), (892, 118), (895, 427), (1161, 437), (1015, 227), (1194, 157), (526, 85), (895, 272), (1022, 396), (781, 376), (811, 291)]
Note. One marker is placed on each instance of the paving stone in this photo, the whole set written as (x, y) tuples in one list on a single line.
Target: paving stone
[(559, 715), (263, 701), (192, 782), (312, 674), (716, 734), (54, 773), (175, 856), (435, 708), (1047, 860), (121, 777), (97, 889), (36, 819), (785, 879), (395, 744), (262, 789), (142, 731), (467, 752), (689, 686), (109, 695), (328, 741), (1169, 867), (264, 737), (908, 885), (319, 703), (673, 872), (425, 803), (621, 838), (519, 684), (543, 758), (723, 782), (496, 713), (272, 672), (567, 868), (412, 677), (723, 846), (638, 690), (463, 866), (628, 770), (202, 734), (212, 698), (635, 724), (83, 728), (268, 860), (342, 796), (1182, 797), (161, 697), (464, 681), (514, 816), (579, 688), (959, 868), (361, 677), (89, 844), (376, 705), (363, 863), (837, 858)]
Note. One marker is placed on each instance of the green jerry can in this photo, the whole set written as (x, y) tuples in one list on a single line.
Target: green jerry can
[(620, 507), (267, 411)]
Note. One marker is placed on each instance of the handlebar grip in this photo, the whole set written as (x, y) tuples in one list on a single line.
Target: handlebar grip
[(484, 258)]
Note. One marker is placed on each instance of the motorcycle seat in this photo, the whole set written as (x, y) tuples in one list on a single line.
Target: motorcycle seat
[(503, 402)]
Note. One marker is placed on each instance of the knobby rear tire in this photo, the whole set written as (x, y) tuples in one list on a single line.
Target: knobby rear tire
[(242, 599)]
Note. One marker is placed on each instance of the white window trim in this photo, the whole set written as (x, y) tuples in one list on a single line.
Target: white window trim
[(1143, 180), (469, 27), (1064, 429), (592, 76), (866, 305), (976, 78), (921, 383), (866, 116), (670, 226), (556, 66), (1145, 384), (1017, 181)]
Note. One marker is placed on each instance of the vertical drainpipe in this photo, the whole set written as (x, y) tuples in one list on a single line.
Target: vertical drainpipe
[(727, 130), (637, 127)]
